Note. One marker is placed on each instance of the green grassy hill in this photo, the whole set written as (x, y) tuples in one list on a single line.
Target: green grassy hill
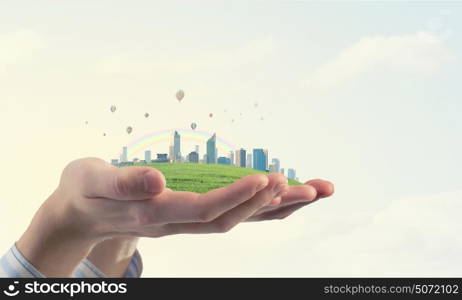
[(201, 178)]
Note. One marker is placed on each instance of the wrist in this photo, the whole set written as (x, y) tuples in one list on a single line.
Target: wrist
[(55, 235), (113, 255)]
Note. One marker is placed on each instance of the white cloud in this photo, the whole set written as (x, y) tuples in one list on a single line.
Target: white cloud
[(418, 52), (18, 45), (163, 62), (412, 236)]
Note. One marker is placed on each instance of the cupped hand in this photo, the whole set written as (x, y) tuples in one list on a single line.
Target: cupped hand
[(105, 201), (96, 201)]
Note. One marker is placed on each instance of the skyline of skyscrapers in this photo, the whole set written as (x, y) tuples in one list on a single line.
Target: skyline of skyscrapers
[(257, 159)]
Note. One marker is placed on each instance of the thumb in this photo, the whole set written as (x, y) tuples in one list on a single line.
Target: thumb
[(127, 183)]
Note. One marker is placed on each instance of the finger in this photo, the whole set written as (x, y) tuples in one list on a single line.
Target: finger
[(275, 202), (185, 207), (279, 214), (277, 187), (301, 194), (324, 188), (128, 183), (312, 190), (295, 194)]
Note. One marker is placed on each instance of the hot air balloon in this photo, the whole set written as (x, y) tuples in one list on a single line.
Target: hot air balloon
[(129, 129), (210, 115), (146, 115), (113, 108), (179, 95), (193, 126), (86, 122)]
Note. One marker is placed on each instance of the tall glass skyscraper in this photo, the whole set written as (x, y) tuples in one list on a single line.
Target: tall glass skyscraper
[(124, 155), (260, 159), (147, 156), (176, 146), (241, 158), (291, 174), (277, 165), (212, 150), (193, 157), (249, 161)]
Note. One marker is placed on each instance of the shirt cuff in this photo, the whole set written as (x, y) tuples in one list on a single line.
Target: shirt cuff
[(14, 265), (86, 269)]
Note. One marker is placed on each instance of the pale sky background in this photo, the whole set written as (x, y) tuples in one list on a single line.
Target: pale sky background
[(367, 95)]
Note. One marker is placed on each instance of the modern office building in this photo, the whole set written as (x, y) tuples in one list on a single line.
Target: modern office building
[(115, 162), (260, 159), (231, 157), (249, 161), (291, 174), (241, 158), (193, 157), (124, 155), (212, 150), (267, 158), (277, 165), (162, 157), (272, 168), (176, 147), (170, 152), (147, 156), (282, 171), (196, 149), (224, 160)]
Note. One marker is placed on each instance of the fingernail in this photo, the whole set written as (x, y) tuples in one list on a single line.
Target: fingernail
[(280, 190), (150, 182), (275, 201)]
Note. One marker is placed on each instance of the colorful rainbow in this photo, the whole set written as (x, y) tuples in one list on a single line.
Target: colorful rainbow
[(146, 141)]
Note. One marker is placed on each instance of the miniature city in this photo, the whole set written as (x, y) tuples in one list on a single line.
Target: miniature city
[(257, 160)]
